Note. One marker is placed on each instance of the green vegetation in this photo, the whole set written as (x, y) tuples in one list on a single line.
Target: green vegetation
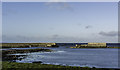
[(6, 65)]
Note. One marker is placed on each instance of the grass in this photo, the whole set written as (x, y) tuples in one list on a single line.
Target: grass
[(6, 65)]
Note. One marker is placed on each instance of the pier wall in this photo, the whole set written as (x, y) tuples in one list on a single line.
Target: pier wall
[(29, 45)]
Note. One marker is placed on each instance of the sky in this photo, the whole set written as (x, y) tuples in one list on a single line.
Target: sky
[(60, 0), (60, 22)]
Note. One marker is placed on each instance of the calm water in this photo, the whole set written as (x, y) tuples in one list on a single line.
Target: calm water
[(100, 58)]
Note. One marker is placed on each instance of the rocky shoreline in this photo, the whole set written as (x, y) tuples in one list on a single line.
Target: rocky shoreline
[(6, 54)]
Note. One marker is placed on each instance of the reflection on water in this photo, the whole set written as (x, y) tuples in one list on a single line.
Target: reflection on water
[(101, 58)]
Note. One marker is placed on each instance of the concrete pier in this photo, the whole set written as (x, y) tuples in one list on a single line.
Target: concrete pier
[(4, 45), (91, 45)]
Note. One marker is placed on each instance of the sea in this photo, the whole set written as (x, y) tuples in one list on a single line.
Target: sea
[(66, 56)]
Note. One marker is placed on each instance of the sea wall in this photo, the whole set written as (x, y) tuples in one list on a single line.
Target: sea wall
[(12, 45), (91, 45)]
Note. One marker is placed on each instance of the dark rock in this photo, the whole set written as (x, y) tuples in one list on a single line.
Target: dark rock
[(13, 61), (93, 67), (37, 62)]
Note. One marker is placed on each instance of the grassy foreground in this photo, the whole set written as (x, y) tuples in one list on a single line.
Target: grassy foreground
[(6, 65)]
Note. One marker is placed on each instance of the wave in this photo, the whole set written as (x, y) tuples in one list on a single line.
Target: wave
[(61, 51)]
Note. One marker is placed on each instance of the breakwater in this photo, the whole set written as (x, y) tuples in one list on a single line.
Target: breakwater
[(94, 45), (23, 45)]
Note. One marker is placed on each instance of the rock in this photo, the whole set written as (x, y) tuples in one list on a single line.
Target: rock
[(94, 67), (37, 62)]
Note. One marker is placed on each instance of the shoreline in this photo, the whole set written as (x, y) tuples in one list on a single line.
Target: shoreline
[(6, 57)]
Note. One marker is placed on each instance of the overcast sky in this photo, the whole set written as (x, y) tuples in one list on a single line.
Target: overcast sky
[(60, 22)]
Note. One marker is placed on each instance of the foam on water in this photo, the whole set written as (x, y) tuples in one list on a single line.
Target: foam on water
[(60, 51)]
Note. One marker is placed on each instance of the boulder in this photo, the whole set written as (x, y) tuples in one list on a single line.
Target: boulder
[(37, 62)]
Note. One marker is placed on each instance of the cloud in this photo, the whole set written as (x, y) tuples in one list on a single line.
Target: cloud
[(59, 5), (21, 39), (87, 27), (111, 33), (78, 24), (55, 36), (51, 28)]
